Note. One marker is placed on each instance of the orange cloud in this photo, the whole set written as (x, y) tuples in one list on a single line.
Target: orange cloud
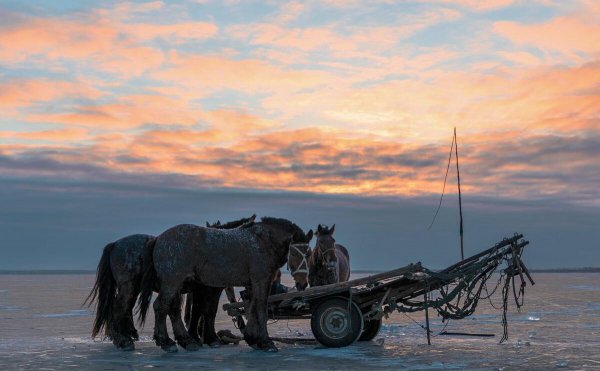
[(180, 32), (209, 74), (354, 42), (567, 35), (480, 5), (125, 113), (98, 39), (58, 135), (18, 93)]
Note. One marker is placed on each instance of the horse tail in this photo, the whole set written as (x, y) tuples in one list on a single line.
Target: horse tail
[(149, 282), (103, 292)]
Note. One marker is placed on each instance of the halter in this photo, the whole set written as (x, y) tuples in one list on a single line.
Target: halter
[(323, 252), (303, 266)]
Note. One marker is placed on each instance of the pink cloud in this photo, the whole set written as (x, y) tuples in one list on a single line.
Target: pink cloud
[(24, 92), (180, 32), (126, 113), (567, 35), (98, 39), (210, 73), (58, 135)]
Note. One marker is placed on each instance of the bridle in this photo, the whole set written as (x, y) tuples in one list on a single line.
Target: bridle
[(323, 252), (303, 266)]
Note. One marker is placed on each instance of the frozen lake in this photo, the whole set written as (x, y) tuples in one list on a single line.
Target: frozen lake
[(44, 327)]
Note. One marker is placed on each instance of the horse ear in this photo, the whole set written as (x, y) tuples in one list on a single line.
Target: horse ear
[(207, 225), (319, 229), (332, 229), (253, 217), (309, 235)]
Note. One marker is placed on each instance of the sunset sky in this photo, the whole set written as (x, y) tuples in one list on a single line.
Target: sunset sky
[(338, 98)]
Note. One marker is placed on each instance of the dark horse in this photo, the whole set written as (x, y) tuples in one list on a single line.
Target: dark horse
[(247, 257), (203, 302), (329, 262), (118, 283)]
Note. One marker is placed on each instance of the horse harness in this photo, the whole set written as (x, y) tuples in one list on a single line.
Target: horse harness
[(322, 253), (303, 266)]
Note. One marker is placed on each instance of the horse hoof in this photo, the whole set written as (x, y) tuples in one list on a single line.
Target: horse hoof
[(169, 348), (127, 347), (271, 349), (192, 347), (215, 344)]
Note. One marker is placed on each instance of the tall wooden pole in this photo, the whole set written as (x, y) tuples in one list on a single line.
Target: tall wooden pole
[(462, 252), (427, 316)]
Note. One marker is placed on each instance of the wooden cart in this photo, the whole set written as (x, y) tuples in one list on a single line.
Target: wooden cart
[(346, 312)]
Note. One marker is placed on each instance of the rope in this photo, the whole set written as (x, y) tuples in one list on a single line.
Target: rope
[(444, 188), (461, 290)]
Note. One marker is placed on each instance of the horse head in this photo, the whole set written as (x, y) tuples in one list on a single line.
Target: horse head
[(281, 234), (298, 260), (324, 252)]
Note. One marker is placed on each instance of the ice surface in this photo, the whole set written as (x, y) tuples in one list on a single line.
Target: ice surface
[(43, 326)]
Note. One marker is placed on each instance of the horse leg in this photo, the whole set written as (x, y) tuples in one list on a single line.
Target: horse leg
[(251, 330), (193, 311), (162, 306), (181, 335), (120, 323), (260, 294), (211, 307), (131, 330)]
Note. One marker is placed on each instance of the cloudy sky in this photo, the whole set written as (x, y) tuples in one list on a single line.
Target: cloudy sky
[(124, 117)]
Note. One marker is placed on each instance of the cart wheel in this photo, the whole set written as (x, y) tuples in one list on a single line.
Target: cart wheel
[(370, 329), (333, 326)]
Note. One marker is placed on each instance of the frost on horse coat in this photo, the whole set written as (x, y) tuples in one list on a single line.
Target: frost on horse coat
[(118, 283), (246, 257)]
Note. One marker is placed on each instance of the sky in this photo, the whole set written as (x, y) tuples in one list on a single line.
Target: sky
[(130, 117)]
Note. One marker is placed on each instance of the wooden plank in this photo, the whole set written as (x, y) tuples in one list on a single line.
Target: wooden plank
[(335, 288)]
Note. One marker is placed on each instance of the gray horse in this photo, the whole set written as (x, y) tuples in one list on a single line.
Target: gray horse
[(118, 283), (203, 302), (187, 254)]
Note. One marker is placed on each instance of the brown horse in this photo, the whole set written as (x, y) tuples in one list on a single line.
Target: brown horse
[(329, 262), (188, 254), (297, 263)]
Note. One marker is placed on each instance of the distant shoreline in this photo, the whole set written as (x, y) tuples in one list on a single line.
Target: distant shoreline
[(46, 271), (359, 271), (567, 270)]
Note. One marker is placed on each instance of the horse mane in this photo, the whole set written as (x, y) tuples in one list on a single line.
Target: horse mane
[(232, 224), (285, 224)]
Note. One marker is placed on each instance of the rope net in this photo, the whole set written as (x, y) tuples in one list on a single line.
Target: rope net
[(455, 293)]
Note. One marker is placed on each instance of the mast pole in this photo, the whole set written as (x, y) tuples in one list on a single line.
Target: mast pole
[(462, 252)]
